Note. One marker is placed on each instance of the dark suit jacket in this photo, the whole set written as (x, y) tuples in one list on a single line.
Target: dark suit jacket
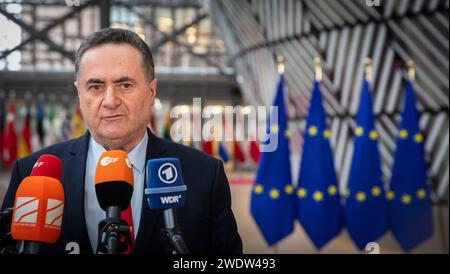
[(206, 220)]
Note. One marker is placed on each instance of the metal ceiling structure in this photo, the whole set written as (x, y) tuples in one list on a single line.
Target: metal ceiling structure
[(178, 31), (343, 33)]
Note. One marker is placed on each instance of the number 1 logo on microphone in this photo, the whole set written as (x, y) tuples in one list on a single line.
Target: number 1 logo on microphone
[(167, 173)]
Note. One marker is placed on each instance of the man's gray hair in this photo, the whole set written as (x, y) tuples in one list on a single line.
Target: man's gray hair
[(117, 36)]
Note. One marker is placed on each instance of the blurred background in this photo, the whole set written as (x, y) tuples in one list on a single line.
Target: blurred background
[(224, 52)]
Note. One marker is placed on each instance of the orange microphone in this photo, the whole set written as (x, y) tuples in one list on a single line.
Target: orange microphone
[(114, 187), (114, 180), (38, 211)]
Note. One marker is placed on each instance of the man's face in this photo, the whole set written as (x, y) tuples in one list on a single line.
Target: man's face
[(115, 94)]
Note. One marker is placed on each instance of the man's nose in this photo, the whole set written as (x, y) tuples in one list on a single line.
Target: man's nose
[(111, 100)]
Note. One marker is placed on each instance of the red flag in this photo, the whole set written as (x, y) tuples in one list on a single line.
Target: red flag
[(238, 154), (254, 151), (10, 139), (207, 147)]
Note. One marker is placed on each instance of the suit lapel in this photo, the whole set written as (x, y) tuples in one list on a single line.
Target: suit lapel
[(74, 176), (149, 218)]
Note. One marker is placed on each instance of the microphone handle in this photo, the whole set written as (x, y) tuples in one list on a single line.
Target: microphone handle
[(32, 247), (6, 215), (113, 239), (173, 232)]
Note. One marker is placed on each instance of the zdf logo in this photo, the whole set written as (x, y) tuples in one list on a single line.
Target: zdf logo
[(372, 3), (108, 160)]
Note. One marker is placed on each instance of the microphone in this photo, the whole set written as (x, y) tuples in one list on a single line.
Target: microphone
[(38, 212), (46, 167), (165, 190), (114, 187), (6, 215)]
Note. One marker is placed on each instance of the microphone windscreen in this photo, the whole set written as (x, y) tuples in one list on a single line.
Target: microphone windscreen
[(38, 210), (47, 165), (165, 187), (114, 180)]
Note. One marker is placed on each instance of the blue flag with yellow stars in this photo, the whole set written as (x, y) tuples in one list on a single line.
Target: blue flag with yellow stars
[(409, 196), (365, 208), (272, 200), (319, 206)]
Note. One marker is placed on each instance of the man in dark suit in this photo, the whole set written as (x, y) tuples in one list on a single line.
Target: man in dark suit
[(116, 87)]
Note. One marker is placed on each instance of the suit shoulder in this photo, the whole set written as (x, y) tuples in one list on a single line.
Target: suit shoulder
[(188, 153), (58, 150)]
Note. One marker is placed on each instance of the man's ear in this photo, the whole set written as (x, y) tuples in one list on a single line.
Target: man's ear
[(153, 88), (76, 87)]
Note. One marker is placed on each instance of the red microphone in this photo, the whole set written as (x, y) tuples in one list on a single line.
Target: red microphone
[(39, 204), (47, 165)]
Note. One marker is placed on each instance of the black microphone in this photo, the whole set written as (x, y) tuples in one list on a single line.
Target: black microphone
[(165, 190), (6, 215)]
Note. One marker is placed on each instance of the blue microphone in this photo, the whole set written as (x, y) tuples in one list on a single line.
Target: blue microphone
[(165, 185), (165, 190)]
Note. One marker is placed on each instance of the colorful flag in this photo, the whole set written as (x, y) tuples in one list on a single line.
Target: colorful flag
[(272, 199), (365, 209), (166, 132), (223, 152), (50, 126), (207, 147), (238, 153), (319, 204), (40, 117), (10, 139), (77, 124), (254, 151), (66, 128), (410, 215), (24, 147)]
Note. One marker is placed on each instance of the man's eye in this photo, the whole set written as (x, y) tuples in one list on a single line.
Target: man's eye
[(95, 87), (126, 86)]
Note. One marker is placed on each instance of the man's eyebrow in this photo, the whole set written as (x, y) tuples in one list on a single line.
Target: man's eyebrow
[(124, 79), (94, 81)]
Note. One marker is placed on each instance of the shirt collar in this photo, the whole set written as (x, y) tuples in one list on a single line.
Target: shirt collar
[(136, 156)]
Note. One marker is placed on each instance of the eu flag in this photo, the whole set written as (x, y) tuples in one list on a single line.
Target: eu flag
[(319, 208), (272, 200), (409, 196), (365, 208)]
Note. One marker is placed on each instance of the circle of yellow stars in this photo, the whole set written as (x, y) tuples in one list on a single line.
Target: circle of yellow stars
[(373, 134), (273, 192), (404, 134), (313, 131), (274, 129), (317, 195)]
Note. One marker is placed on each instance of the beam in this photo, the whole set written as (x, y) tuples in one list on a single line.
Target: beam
[(43, 32), (177, 32)]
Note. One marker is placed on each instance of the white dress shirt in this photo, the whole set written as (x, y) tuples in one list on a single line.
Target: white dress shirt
[(92, 210)]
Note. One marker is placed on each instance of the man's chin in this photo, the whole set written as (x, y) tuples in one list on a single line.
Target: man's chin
[(112, 135)]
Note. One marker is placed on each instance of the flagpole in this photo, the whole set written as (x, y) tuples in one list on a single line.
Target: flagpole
[(368, 69), (318, 69), (411, 71), (281, 65)]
